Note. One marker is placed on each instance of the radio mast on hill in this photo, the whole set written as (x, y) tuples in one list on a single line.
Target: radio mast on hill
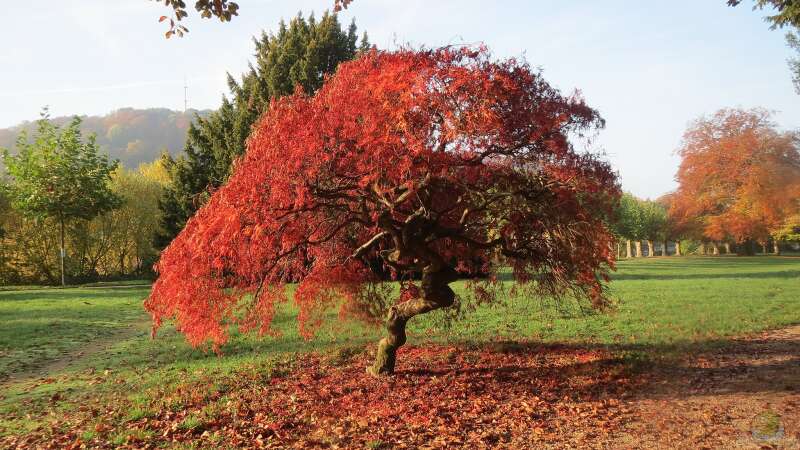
[(185, 94)]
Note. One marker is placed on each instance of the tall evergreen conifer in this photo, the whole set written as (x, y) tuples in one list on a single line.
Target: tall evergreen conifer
[(301, 54)]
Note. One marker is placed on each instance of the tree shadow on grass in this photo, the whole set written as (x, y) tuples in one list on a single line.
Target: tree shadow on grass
[(721, 366), (691, 368), (785, 274)]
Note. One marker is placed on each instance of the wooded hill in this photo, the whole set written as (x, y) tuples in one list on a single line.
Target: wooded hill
[(133, 136)]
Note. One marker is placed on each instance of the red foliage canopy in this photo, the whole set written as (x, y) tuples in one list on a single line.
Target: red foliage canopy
[(739, 177), (426, 161)]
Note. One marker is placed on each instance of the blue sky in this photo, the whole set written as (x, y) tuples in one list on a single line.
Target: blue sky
[(649, 67)]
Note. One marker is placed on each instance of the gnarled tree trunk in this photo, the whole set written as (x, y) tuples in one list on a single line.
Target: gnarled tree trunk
[(628, 249), (650, 251), (776, 248), (677, 248), (435, 294), (638, 249), (727, 248), (714, 248)]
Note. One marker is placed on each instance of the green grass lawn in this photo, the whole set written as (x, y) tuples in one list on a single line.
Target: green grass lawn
[(92, 342), (662, 302)]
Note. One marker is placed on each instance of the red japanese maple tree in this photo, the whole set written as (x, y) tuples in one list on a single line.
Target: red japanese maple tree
[(433, 162)]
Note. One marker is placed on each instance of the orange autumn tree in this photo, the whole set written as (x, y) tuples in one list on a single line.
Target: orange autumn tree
[(739, 177), (433, 163)]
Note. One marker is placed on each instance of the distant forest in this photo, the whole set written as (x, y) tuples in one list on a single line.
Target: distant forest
[(133, 136)]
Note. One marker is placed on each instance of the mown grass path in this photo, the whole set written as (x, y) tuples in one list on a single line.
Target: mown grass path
[(44, 326)]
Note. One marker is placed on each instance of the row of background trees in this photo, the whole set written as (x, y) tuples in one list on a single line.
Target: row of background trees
[(738, 191), (70, 213)]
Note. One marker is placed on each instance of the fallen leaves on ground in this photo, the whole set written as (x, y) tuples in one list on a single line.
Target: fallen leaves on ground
[(501, 395), (713, 399), (508, 395)]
